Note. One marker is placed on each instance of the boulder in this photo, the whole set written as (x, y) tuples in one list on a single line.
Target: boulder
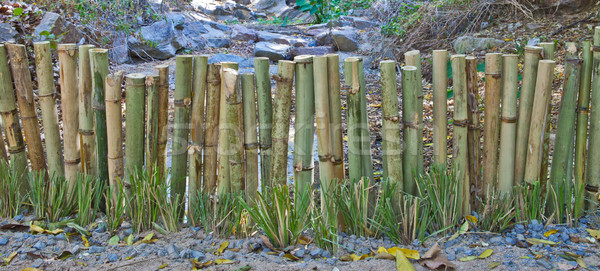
[(266, 4), (345, 39), (466, 44), (7, 33), (242, 62), (242, 33), (273, 51), (55, 24), (191, 36), (282, 39), (317, 51), (154, 41), (119, 51), (215, 35)]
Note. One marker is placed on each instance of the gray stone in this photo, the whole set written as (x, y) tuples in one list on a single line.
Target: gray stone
[(273, 51), (533, 42), (185, 254), (173, 252), (317, 51), (511, 241), (113, 257), (75, 250), (300, 253), (345, 39), (37, 263), (514, 26), (3, 241), (95, 249), (496, 240), (282, 39), (326, 254), (7, 33), (242, 33), (197, 255), (57, 25), (350, 246), (266, 4), (533, 26), (228, 254), (331, 261), (191, 36), (177, 19), (128, 232), (467, 44), (154, 41), (316, 252), (519, 228), (243, 63), (39, 245)]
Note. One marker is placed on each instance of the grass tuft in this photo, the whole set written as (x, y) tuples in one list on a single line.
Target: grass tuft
[(143, 208), (11, 200), (440, 189), (89, 198), (530, 202), (116, 204), (323, 221), (497, 212), (223, 215), (51, 198), (351, 199)]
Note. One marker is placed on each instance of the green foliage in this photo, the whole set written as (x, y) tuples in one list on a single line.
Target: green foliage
[(497, 212), (143, 209), (224, 215), (563, 199), (440, 188), (282, 219), (11, 200), (327, 10), (51, 197), (351, 198), (116, 204), (89, 198), (169, 207), (531, 202), (324, 221), (406, 17)]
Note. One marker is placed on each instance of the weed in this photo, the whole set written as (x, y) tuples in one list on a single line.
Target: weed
[(11, 199), (51, 197), (89, 197), (143, 208), (497, 212), (351, 198), (324, 221), (116, 204), (223, 215), (562, 202), (169, 207), (530, 201), (440, 188), (281, 219)]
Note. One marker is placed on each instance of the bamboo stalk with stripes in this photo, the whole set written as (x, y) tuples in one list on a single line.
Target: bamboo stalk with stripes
[(583, 106), (323, 119), (548, 50), (197, 125), (99, 70), (305, 122), (440, 107), (265, 117), (508, 129), (491, 129), (181, 131), (114, 131), (392, 147), (592, 173), (223, 154), (335, 112), (87, 134), (474, 131), (213, 90), (281, 121), (460, 152), (163, 117), (250, 136)]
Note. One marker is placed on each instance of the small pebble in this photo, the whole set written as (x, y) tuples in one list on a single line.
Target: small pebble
[(197, 255), (3, 241), (519, 228), (326, 254), (331, 261), (18, 217), (544, 264), (496, 240), (469, 252), (173, 252), (95, 249), (113, 257), (37, 263), (100, 228), (511, 241), (299, 253), (451, 257), (229, 255), (39, 245), (75, 250), (316, 252)]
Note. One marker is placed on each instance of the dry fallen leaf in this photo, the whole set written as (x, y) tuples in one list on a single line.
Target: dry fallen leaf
[(594, 233), (485, 253), (402, 263), (222, 248), (535, 241), (267, 242), (435, 260), (550, 232)]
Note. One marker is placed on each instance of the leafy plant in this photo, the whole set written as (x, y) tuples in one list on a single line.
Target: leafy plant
[(143, 208), (52, 197), (497, 212), (116, 204), (530, 201), (324, 221), (562, 202), (440, 188), (11, 198), (89, 198), (351, 198), (323, 10), (169, 207), (282, 219), (223, 215)]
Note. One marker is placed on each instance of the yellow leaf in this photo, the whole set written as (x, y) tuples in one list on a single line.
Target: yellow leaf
[(86, 243), (402, 263), (304, 241), (486, 253), (163, 265), (129, 257), (36, 229), (468, 258), (291, 257), (148, 237), (223, 261), (381, 250), (408, 253), (345, 258), (550, 232), (508, 39), (30, 269), (471, 219), (464, 228), (10, 258), (581, 263), (493, 265), (355, 257), (130, 240), (535, 241), (524, 257), (222, 248), (82, 264), (385, 256), (594, 233)]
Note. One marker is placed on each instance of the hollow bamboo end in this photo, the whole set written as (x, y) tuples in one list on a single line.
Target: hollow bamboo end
[(98, 51), (387, 62), (86, 47), (547, 62), (412, 53), (286, 62), (409, 68), (135, 76), (303, 58), (261, 58), (533, 49), (471, 58), (458, 57), (41, 43), (66, 46)]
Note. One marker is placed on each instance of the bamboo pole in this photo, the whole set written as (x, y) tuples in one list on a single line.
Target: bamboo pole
[(87, 134), (250, 136), (47, 96), (163, 119), (135, 89), (565, 131), (413, 58), (197, 127), (510, 88), (67, 57), (151, 146), (474, 131), (24, 90), (353, 114), (212, 128), (583, 107), (12, 126), (392, 148), (548, 49), (223, 155), (305, 122), (3, 154), (323, 118), (440, 107), (543, 89), (235, 144), (181, 131), (410, 118), (532, 57), (592, 173), (281, 121), (491, 129), (460, 151), (114, 131), (99, 70), (265, 117), (335, 112)]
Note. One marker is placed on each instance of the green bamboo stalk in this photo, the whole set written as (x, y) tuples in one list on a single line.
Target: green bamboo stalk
[(87, 134), (265, 117), (3, 154), (250, 136), (152, 122), (213, 90), (592, 173), (440, 107), (182, 102), (281, 121), (99, 70), (305, 122), (24, 90), (353, 114), (67, 58), (223, 155), (323, 118), (197, 127), (474, 132), (392, 148), (335, 112), (565, 131), (12, 126), (47, 96), (410, 118), (543, 89), (135, 104), (491, 129), (583, 107), (163, 118), (235, 144), (532, 57), (510, 88), (460, 151), (413, 58), (114, 131), (548, 48)]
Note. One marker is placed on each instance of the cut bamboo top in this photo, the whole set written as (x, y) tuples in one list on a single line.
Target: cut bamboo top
[(70, 47), (132, 78), (493, 63), (303, 59), (99, 50), (533, 49), (409, 68)]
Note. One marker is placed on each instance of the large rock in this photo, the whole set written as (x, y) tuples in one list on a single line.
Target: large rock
[(7, 33), (154, 41), (344, 39), (467, 44), (282, 39), (55, 24), (119, 51), (266, 4), (273, 51), (242, 33), (317, 51), (243, 63), (216, 36), (190, 36)]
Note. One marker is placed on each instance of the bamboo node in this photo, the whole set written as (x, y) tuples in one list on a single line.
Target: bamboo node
[(411, 124), (460, 123), (52, 95), (494, 75), (325, 158), (73, 162), (251, 146), (338, 161), (591, 188), (214, 82), (585, 110), (280, 79), (86, 132), (509, 119), (596, 48), (395, 118), (99, 107), (114, 157), (183, 103), (14, 151), (265, 146), (574, 60)]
